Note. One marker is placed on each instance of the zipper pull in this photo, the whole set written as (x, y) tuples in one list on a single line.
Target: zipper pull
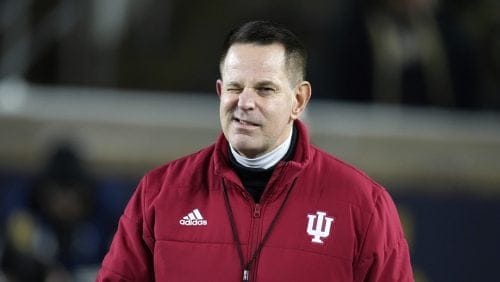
[(245, 275), (256, 211)]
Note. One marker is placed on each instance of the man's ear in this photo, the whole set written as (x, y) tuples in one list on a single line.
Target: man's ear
[(218, 86), (303, 93)]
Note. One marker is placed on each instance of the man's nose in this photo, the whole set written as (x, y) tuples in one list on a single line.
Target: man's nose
[(246, 99)]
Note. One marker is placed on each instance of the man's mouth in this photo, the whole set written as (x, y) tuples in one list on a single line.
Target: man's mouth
[(245, 122)]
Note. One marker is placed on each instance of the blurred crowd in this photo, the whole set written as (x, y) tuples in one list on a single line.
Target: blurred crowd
[(439, 53), (406, 51), (56, 225)]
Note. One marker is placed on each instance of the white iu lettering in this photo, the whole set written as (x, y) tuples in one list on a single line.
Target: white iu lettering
[(321, 229)]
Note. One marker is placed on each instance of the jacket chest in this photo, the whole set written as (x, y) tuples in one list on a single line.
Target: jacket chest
[(309, 234)]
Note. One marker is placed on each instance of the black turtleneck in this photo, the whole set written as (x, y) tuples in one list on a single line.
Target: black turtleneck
[(255, 179)]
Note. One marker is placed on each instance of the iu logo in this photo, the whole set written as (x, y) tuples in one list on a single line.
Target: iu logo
[(322, 227)]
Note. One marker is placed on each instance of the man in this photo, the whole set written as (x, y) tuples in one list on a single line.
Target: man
[(262, 203)]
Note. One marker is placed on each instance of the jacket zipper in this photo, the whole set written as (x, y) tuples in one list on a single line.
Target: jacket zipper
[(255, 240), (255, 243), (256, 210)]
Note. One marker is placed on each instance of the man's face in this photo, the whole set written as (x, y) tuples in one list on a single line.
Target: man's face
[(257, 101)]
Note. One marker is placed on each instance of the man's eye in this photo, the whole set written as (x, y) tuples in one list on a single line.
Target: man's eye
[(266, 90), (233, 90)]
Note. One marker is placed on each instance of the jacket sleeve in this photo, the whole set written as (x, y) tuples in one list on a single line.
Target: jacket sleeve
[(130, 255), (384, 254)]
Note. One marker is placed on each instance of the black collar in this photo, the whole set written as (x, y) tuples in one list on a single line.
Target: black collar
[(255, 179)]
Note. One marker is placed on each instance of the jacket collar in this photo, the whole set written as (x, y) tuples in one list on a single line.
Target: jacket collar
[(300, 160)]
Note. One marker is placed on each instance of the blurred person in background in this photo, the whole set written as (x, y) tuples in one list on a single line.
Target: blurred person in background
[(404, 52), (56, 232), (262, 203)]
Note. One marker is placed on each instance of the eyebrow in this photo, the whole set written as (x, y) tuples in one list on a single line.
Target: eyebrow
[(233, 83), (262, 83), (266, 83)]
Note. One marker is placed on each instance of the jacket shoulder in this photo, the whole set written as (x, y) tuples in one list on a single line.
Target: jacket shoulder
[(346, 182), (181, 172)]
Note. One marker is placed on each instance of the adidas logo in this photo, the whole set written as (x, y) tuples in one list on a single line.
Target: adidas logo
[(193, 218)]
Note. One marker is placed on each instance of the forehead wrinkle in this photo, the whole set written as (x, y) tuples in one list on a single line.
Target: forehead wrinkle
[(256, 66), (253, 76), (254, 60)]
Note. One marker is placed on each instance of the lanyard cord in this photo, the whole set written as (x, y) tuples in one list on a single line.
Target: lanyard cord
[(246, 267)]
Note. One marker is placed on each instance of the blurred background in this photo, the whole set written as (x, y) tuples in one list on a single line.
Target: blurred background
[(93, 94)]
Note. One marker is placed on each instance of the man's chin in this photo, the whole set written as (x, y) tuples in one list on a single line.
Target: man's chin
[(246, 149)]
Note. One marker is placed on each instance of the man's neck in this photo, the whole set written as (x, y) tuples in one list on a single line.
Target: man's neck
[(267, 160)]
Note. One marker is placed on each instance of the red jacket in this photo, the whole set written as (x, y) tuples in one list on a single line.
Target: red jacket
[(337, 224)]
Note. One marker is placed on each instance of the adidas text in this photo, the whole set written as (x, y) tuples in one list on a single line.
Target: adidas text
[(193, 222), (194, 218)]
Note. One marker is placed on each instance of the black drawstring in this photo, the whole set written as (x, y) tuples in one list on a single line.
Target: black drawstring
[(233, 226), (246, 267)]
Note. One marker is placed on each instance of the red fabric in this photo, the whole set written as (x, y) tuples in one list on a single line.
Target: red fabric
[(365, 242)]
